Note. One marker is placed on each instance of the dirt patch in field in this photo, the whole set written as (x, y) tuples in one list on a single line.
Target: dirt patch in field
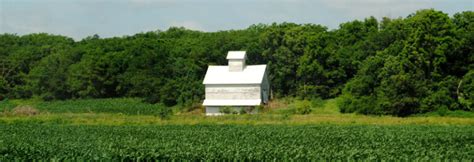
[(25, 110)]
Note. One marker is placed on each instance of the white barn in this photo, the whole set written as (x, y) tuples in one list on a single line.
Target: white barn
[(236, 86)]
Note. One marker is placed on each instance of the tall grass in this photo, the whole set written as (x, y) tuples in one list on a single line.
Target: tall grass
[(293, 106), (129, 106), (247, 119), (456, 113), (6, 105), (133, 111)]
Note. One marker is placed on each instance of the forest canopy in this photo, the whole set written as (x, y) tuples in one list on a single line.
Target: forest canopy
[(402, 66)]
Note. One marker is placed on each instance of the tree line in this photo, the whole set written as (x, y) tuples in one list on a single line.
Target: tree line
[(401, 66)]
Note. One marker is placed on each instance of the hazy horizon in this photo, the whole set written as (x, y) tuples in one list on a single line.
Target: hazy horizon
[(107, 18)]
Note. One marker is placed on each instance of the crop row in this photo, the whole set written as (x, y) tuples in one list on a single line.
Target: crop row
[(271, 142), (129, 106)]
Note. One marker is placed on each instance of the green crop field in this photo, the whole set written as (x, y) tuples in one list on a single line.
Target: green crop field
[(127, 129), (199, 142)]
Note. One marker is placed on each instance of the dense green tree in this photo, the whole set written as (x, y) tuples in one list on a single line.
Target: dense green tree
[(465, 91), (417, 64), (47, 78), (24, 53), (413, 73)]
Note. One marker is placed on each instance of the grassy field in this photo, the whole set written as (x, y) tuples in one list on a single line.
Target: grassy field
[(127, 129), (121, 119), (131, 111)]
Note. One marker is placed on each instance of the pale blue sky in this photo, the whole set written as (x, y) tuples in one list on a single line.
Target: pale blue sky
[(108, 18)]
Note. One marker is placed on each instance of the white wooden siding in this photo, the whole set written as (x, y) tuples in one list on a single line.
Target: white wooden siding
[(236, 65), (226, 92)]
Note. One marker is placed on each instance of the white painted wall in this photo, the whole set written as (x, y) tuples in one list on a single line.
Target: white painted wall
[(236, 65), (213, 111), (226, 91), (236, 91)]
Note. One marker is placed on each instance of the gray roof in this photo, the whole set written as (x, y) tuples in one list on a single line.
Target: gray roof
[(252, 74), (237, 55)]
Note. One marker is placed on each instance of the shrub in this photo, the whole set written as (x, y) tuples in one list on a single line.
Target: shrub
[(437, 100), (227, 110), (362, 105), (442, 111), (345, 103), (302, 107), (317, 102), (193, 107), (164, 112), (247, 110), (242, 111), (152, 99)]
